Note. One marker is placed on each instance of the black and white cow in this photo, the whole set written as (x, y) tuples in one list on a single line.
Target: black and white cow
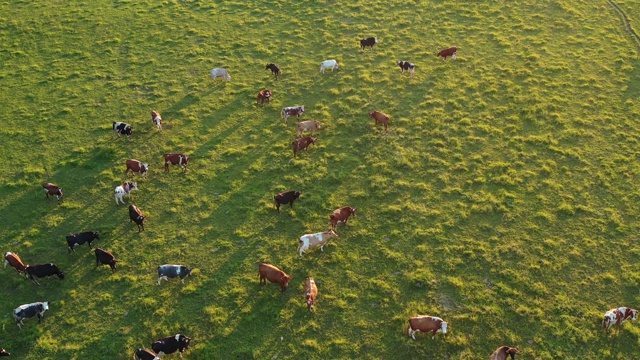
[(42, 270), (121, 128), (104, 257), (4, 352), (80, 238), (28, 311), (171, 344), (169, 271), (144, 354), (405, 65)]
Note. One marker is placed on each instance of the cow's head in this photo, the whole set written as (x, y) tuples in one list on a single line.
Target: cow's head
[(186, 160), (353, 211), (634, 313), (332, 234), (144, 167), (296, 194), (284, 282), (444, 326), (313, 140), (512, 352), (183, 340), (45, 306), (188, 271), (96, 235)]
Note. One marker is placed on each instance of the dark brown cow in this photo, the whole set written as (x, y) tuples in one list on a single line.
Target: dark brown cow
[(53, 190), (341, 215), (370, 41), (426, 323), (15, 262), (502, 352), (448, 52), (156, 119), (380, 118), (137, 166), (275, 69), (302, 144), (136, 216), (263, 95), (104, 257), (310, 292), (176, 159), (274, 275), (286, 198)]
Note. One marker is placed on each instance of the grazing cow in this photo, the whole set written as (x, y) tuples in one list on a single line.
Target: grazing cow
[(380, 118), (286, 198), (15, 262), (144, 354), (28, 311), (42, 270), (292, 111), (618, 316), (310, 292), (156, 119), (169, 271), (426, 323), (275, 69), (309, 125), (104, 257), (448, 52), (176, 159), (136, 216), (137, 166), (4, 352), (274, 275), (262, 96), (332, 64), (405, 65), (220, 73), (121, 128), (53, 190), (502, 352), (370, 41), (125, 189), (302, 144), (307, 241), (80, 238), (171, 344), (341, 215)]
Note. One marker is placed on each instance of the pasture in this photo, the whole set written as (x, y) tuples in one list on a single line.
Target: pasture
[(504, 197)]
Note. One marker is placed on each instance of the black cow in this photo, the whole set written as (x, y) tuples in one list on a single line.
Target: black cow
[(275, 69), (405, 65), (286, 198), (144, 354), (121, 128), (106, 258), (42, 270), (136, 216), (28, 311), (81, 238), (370, 41), (171, 344), (169, 271), (4, 352)]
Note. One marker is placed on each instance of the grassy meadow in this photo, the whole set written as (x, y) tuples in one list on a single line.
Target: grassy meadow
[(504, 198)]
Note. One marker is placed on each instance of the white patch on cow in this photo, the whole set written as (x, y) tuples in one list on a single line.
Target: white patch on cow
[(177, 337)]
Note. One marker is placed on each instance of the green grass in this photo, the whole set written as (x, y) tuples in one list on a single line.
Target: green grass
[(503, 199)]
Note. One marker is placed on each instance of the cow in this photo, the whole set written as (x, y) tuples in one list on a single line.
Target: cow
[(341, 215), (156, 119), (426, 323), (380, 118), (121, 128), (176, 159), (136, 216), (171, 344), (53, 190), (220, 73), (448, 52), (28, 311), (80, 238), (124, 189), (328, 64), (292, 111), (310, 292), (274, 275), (618, 316), (370, 41), (405, 65), (307, 241), (169, 271), (286, 198), (42, 270), (309, 125), (302, 144), (137, 166), (275, 69), (104, 257), (144, 354), (15, 262), (262, 96), (502, 352), (4, 352)]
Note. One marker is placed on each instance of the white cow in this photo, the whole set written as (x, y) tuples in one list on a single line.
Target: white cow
[(220, 73), (308, 241), (328, 64), (125, 189)]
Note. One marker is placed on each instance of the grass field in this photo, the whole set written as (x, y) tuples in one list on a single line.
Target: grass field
[(504, 198)]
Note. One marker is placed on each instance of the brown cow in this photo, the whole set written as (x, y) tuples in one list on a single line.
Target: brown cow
[(309, 125), (341, 215), (302, 144), (53, 189), (380, 118), (176, 159), (618, 316), (136, 216), (137, 166), (310, 292), (426, 323), (262, 96), (15, 262), (273, 274), (448, 52), (502, 352), (104, 257)]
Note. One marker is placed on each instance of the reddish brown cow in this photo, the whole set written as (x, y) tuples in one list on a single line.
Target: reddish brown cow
[(448, 52), (380, 118), (15, 262), (274, 275), (341, 215), (136, 216), (309, 125), (176, 159), (53, 190), (310, 292), (502, 352), (618, 316), (104, 257), (426, 323), (302, 144), (262, 96), (137, 166)]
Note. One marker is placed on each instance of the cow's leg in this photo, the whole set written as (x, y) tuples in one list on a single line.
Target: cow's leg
[(412, 333), (453, 56), (40, 316), (182, 280)]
